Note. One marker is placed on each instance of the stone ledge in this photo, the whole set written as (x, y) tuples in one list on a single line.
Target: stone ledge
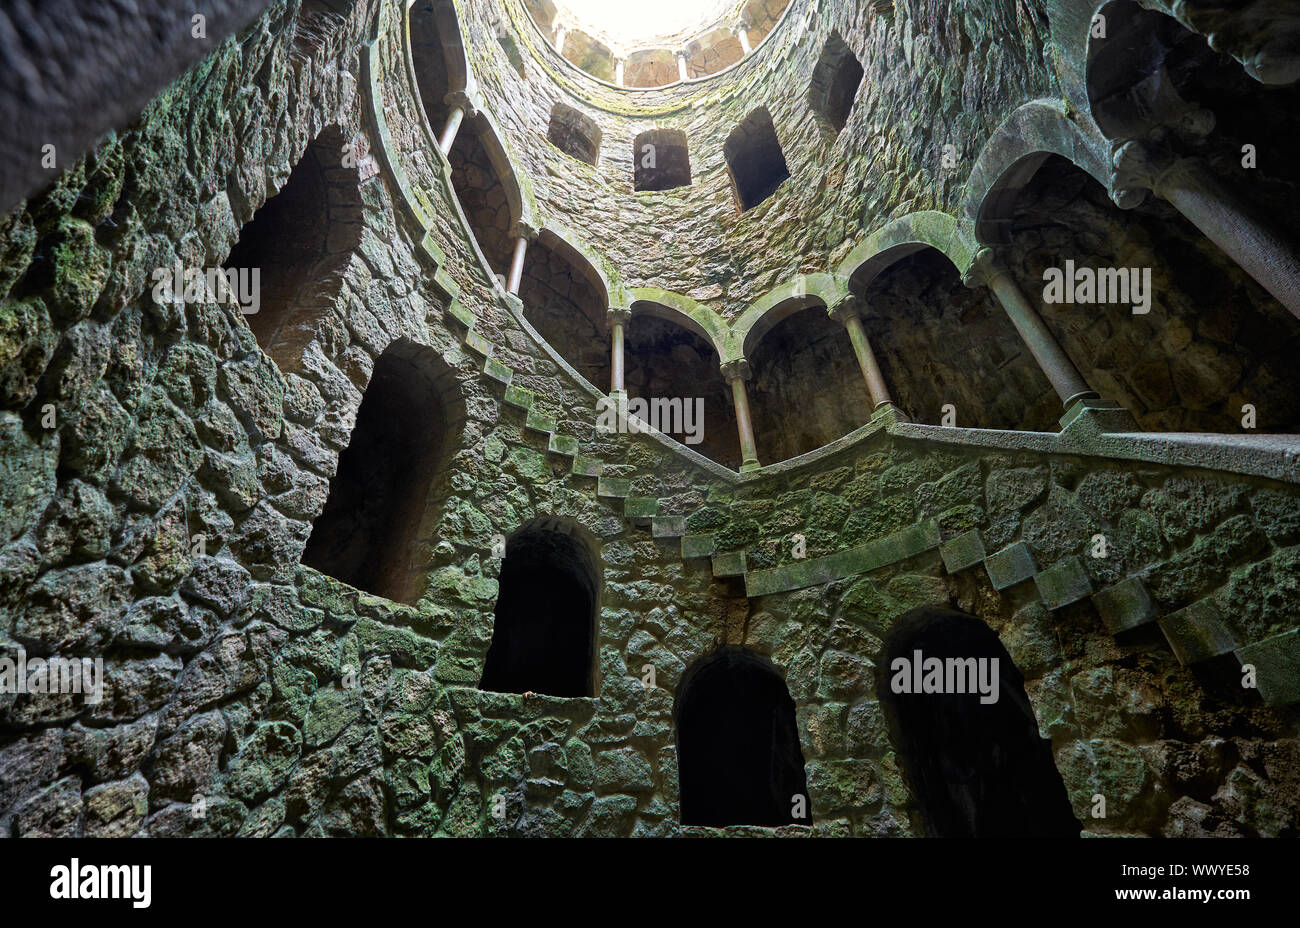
[(731, 564), (615, 487), (640, 507), (564, 445), (585, 466), (909, 542), (668, 526), (539, 421)]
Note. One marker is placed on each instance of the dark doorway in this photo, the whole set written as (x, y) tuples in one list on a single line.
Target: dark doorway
[(738, 748), (661, 160), (975, 769), (543, 638), (755, 159), (835, 83), (368, 533)]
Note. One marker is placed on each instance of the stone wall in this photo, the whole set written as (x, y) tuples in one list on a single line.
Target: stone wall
[(841, 187), (160, 475)]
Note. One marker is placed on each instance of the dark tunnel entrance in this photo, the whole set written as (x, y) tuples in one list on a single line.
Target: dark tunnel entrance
[(975, 769), (738, 748), (543, 638)]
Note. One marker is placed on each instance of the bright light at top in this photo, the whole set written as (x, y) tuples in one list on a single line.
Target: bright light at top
[(631, 22)]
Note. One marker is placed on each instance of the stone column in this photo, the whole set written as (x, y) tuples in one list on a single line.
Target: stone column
[(742, 33), (1189, 186), (561, 33), (846, 312), (1065, 378), (461, 106), (618, 318), (736, 373), (681, 66), (523, 234), (618, 71)]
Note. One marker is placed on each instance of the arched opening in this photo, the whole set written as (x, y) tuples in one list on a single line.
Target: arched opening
[(965, 732), (544, 633), (567, 306), (835, 84), (713, 52), (369, 533), (1207, 341), (661, 160), (575, 134), (807, 389), (666, 361), (755, 159), (1154, 80), (762, 16), (483, 194), (436, 57), (738, 754), (298, 245), (942, 344), (589, 54), (650, 67)]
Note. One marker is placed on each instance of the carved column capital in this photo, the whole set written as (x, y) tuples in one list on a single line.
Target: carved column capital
[(618, 315), (985, 265), (735, 370), (845, 310), (525, 230), (460, 99)]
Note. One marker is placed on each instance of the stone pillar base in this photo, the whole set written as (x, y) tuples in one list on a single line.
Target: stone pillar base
[(1092, 413), (888, 412)]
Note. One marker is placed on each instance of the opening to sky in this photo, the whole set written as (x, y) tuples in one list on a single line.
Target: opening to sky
[(633, 22)]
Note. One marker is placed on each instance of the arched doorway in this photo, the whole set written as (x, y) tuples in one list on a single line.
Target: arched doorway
[(973, 759), (369, 531), (738, 748), (544, 634)]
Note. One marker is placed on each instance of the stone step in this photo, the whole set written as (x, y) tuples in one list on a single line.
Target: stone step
[(731, 564), (584, 466), (563, 445), (640, 507), (498, 371), (694, 546), (477, 343), (668, 526), (538, 421), (519, 397), (615, 487)]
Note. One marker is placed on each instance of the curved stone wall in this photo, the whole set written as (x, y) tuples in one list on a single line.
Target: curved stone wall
[(161, 473)]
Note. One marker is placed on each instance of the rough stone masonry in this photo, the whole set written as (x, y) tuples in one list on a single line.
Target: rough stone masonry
[(296, 539)]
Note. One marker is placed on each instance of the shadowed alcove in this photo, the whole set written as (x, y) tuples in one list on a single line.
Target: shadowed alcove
[(940, 343), (368, 534), (975, 769), (755, 159), (807, 389), (544, 634), (667, 360), (738, 752), (300, 243)]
